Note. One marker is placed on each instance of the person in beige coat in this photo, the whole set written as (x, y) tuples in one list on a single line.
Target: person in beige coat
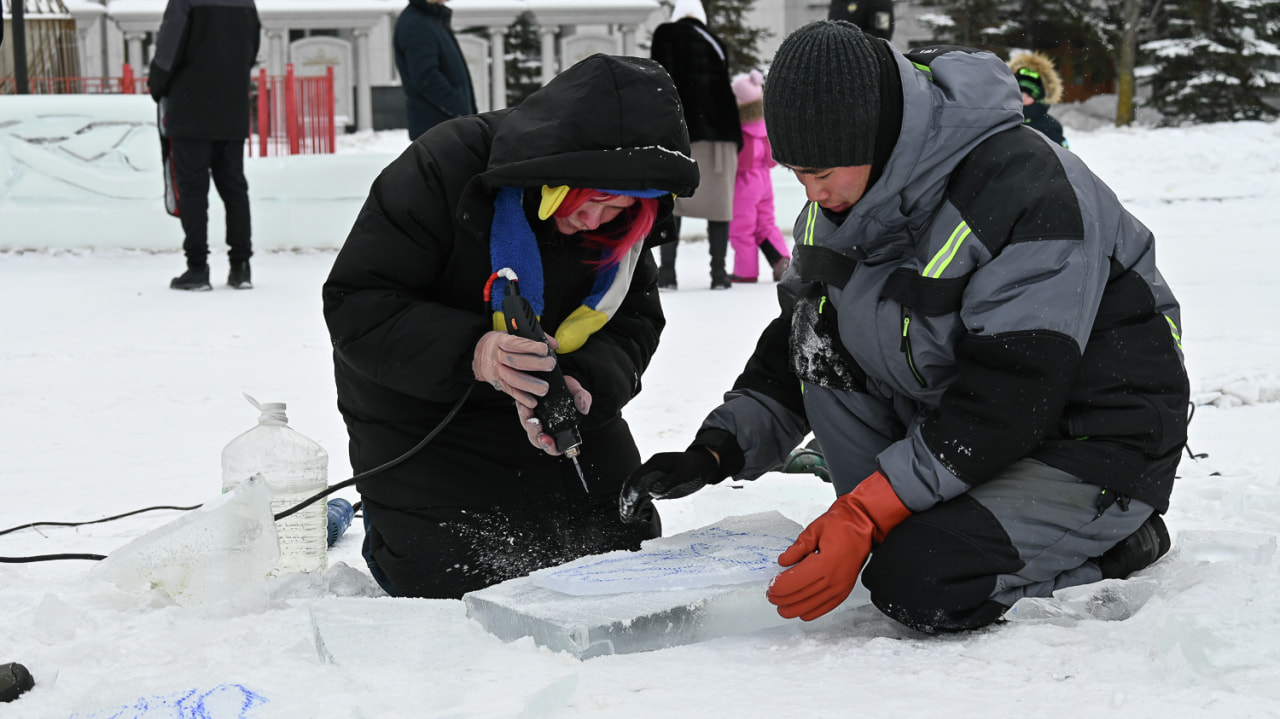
[(699, 66)]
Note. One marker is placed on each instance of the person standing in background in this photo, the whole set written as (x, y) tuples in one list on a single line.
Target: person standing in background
[(696, 60), (1041, 87), (200, 78), (875, 17), (754, 226), (433, 73)]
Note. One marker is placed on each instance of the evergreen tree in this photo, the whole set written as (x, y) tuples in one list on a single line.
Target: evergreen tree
[(1084, 37), (982, 24), (727, 19), (523, 55), (1212, 63)]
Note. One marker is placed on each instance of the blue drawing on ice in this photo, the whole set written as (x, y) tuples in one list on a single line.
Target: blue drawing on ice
[(225, 701), (716, 555)]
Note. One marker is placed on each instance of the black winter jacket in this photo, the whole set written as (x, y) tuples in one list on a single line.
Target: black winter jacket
[(1037, 116), (437, 84), (685, 48), (405, 303), (204, 52)]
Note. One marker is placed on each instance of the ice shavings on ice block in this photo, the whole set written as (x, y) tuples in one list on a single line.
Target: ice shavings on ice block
[(735, 550), (653, 615)]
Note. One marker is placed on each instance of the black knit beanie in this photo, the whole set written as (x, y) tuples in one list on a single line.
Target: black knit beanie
[(822, 97)]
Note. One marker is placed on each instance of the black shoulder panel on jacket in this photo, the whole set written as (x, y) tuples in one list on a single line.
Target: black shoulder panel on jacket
[(932, 296), (1012, 188), (925, 55)]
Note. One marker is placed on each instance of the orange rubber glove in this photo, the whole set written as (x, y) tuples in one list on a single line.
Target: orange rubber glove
[(832, 550)]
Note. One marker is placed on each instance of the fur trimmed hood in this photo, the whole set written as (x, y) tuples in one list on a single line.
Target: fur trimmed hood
[(1048, 74)]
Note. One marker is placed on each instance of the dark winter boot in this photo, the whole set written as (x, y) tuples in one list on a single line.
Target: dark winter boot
[(718, 238), (666, 278), (807, 460), (667, 265), (780, 267), (1137, 551), (194, 279), (239, 276)]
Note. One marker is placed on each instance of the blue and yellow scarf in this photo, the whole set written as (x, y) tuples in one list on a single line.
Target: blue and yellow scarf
[(512, 244)]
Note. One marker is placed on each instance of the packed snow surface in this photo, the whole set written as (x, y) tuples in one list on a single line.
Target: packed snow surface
[(119, 393)]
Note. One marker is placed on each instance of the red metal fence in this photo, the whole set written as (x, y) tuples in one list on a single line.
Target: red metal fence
[(288, 115), (295, 112)]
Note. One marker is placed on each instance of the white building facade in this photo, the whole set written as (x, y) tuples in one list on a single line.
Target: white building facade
[(355, 38)]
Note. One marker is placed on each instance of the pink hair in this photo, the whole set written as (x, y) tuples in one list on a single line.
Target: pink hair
[(637, 221)]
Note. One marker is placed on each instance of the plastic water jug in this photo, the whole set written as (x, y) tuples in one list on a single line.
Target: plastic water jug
[(295, 468)]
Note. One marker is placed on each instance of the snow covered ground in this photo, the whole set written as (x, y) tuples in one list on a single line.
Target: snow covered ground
[(120, 394)]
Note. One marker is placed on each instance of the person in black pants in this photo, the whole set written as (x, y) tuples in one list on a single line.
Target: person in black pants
[(205, 50), (699, 66), (565, 193)]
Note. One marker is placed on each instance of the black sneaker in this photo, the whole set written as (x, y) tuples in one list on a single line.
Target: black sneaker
[(1136, 551), (721, 283), (195, 279), (666, 279), (239, 277)]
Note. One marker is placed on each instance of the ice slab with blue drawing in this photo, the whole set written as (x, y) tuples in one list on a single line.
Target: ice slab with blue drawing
[(686, 588)]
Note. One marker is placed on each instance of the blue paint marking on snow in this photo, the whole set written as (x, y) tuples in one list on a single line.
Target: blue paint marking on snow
[(225, 701)]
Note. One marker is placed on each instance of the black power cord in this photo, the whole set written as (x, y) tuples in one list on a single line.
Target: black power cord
[(453, 411)]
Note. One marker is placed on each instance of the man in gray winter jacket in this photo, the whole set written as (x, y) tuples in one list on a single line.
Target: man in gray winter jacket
[(974, 329)]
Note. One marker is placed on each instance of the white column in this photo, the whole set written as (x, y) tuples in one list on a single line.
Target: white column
[(113, 49), (82, 53), (630, 45), (134, 41), (498, 71), (547, 36), (364, 94), (275, 52)]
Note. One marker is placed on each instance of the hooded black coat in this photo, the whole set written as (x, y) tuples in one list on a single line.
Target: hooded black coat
[(405, 307), (702, 76)]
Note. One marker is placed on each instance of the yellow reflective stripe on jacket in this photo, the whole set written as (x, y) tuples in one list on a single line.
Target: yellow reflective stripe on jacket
[(810, 219), (1173, 330), (948, 252)]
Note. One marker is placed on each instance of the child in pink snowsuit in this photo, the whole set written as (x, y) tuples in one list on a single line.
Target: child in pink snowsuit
[(753, 226)]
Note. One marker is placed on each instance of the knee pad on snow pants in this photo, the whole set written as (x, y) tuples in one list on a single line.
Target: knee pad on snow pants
[(937, 570)]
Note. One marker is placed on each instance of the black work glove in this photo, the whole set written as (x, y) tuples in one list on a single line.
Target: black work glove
[(667, 475)]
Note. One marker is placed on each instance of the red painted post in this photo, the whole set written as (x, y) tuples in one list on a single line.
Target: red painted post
[(328, 110), (126, 79), (264, 111), (291, 109)]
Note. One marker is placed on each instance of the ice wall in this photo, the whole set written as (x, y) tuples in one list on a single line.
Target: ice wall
[(84, 171)]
